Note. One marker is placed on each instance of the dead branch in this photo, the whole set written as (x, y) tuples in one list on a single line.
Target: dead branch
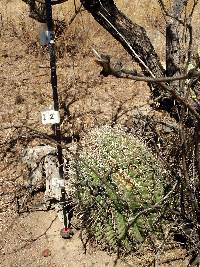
[(76, 12), (104, 62)]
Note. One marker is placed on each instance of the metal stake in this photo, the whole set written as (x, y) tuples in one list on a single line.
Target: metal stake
[(56, 127)]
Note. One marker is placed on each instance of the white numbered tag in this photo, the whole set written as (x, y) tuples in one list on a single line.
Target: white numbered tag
[(50, 117)]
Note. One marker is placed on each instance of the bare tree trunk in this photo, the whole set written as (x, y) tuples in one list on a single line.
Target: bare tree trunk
[(173, 38), (132, 36)]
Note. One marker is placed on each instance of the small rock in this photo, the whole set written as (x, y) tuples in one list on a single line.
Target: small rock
[(46, 253)]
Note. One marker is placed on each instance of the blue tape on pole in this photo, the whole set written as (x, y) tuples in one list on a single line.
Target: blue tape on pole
[(45, 37)]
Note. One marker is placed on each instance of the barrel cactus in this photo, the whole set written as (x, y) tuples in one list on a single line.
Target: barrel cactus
[(116, 177)]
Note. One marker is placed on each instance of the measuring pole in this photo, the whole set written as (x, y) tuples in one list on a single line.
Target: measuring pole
[(56, 127)]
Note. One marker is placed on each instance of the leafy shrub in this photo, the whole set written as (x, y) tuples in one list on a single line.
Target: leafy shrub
[(117, 177)]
